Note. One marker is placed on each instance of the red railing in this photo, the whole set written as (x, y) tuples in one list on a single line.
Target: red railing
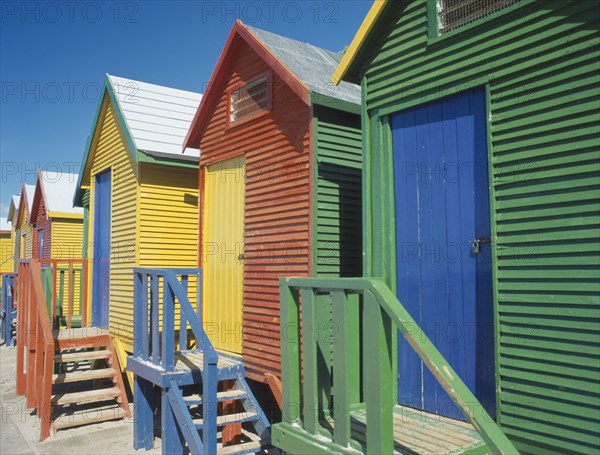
[(35, 345), (65, 276)]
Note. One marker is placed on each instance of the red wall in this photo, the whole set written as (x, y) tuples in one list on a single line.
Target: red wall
[(42, 223), (277, 152)]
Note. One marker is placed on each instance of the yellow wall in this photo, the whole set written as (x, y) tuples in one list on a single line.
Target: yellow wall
[(110, 151), (66, 243), (6, 252), (168, 226), (26, 232), (67, 238)]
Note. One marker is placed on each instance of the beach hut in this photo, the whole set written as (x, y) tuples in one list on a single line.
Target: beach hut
[(23, 235), (480, 128), (280, 194), (57, 226), (13, 210), (280, 167), (139, 193), (6, 248), (57, 240)]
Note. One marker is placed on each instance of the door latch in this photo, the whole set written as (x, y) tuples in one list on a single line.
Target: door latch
[(241, 257), (476, 245)]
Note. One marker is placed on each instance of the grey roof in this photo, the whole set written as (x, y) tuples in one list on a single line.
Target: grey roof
[(58, 188), (312, 65), (14, 207), (157, 117)]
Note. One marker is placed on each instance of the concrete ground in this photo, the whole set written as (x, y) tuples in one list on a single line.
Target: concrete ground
[(20, 428)]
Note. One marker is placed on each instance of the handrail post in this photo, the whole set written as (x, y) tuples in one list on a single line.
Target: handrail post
[(137, 314), (345, 364), (155, 330), (310, 336), (290, 352), (84, 295), (54, 314), (70, 304), (168, 327), (378, 381), (182, 318), (209, 406)]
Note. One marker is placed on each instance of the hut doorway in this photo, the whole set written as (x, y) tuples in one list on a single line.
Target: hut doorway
[(223, 248), (101, 250), (444, 256)]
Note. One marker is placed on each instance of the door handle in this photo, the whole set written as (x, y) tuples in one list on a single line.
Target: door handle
[(476, 245)]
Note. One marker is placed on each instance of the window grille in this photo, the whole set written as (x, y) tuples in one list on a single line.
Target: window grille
[(453, 14), (251, 99)]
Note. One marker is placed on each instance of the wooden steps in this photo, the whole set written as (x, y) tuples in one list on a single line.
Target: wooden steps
[(230, 395), (86, 375), (230, 419), (87, 385), (81, 356), (87, 396), (85, 418)]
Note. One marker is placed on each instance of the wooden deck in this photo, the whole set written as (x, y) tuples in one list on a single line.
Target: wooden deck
[(194, 361), (418, 432), (78, 334)]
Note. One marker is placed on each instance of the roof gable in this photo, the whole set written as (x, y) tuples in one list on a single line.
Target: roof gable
[(13, 208), (25, 202), (365, 33), (54, 188), (154, 119), (305, 68)]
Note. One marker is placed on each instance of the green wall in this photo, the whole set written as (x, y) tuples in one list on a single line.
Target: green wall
[(337, 232), (539, 64)]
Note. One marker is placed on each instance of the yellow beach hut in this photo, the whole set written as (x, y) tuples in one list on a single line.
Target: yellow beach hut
[(23, 240), (13, 211), (139, 194)]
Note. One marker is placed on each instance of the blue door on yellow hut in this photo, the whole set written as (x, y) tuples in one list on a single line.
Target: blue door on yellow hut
[(101, 270), (444, 273)]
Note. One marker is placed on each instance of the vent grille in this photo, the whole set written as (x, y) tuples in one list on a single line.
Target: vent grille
[(453, 14), (250, 100)]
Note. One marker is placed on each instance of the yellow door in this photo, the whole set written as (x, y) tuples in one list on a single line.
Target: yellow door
[(223, 245)]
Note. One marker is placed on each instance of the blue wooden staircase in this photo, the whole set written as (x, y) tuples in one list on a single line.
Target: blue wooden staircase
[(202, 392)]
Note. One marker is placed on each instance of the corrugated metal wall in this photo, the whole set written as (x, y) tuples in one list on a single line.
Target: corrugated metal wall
[(67, 242), (6, 247), (43, 224), (25, 232), (168, 218), (337, 241), (276, 147), (111, 152), (541, 62)]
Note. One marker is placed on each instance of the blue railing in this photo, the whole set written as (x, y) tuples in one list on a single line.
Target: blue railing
[(156, 330), (7, 311)]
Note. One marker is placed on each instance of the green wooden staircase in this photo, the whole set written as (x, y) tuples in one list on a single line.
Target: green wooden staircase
[(340, 383)]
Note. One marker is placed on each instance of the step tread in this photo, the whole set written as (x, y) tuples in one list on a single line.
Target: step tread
[(86, 396), (228, 395), (85, 419), (81, 356), (230, 419), (83, 375), (246, 447)]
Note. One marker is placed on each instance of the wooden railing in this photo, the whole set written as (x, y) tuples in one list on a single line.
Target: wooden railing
[(61, 278), (35, 345), (158, 333), (368, 305), (8, 308)]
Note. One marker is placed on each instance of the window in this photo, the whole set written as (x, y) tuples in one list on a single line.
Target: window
[(452, 14), (250, 101)]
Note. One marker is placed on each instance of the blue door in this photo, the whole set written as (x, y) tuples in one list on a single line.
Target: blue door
[(443, 250), (101, 248)]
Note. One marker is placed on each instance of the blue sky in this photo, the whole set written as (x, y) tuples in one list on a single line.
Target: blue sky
[(54, 56)]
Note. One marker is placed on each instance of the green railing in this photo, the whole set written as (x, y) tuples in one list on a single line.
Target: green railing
[(349, 325)]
